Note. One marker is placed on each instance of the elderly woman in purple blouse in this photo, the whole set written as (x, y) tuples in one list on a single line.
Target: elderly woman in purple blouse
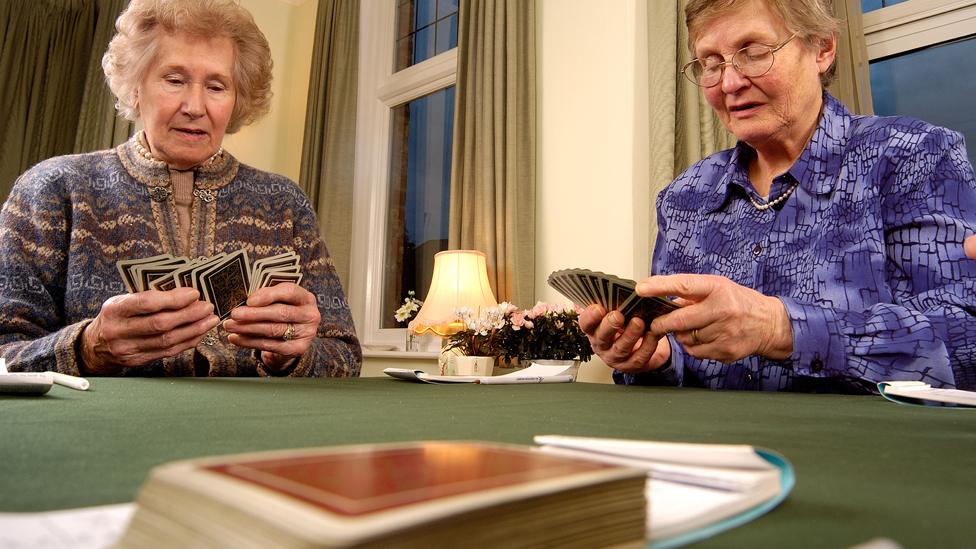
[(825, 251)]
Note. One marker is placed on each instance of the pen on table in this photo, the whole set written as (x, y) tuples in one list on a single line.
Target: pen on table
[(503, 380), (65, 380)]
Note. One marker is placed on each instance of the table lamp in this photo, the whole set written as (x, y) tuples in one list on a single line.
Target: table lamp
[(460, 279)]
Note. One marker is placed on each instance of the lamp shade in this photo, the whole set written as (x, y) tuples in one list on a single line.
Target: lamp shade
[(460, 279)]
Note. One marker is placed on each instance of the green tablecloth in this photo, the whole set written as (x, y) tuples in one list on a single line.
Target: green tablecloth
[(865, 467)]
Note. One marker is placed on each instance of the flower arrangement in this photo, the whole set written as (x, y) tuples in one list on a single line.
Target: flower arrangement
[(406, 312), (543, 332)]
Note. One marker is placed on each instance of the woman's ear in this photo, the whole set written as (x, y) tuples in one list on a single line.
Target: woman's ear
[(826, 52)]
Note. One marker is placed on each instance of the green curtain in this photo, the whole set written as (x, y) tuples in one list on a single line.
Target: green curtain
[(494, 153), (99, 126), (329, 150), (46, 52)]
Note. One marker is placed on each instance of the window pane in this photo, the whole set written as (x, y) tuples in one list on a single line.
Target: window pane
[(426, 13), (926, 84), (419, 198), (871, 5), (446, 34), (446, 8), (424, 29), (423, 45)]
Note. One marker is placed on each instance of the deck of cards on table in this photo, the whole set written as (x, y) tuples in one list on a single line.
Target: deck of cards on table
[(584, 288), (225, 280)]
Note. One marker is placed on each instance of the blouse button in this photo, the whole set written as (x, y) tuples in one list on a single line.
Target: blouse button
[(757, 249)]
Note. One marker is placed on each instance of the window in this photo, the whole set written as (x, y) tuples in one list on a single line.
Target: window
[(871, 5), (408, 66), (419, 196), (425, 28), (918, 51)]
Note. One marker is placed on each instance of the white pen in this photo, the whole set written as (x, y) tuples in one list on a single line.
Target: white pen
[(505, 380), (65, 380)]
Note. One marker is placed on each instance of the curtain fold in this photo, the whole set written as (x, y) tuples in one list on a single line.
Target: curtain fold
[(494, 152), (683, 127), (44, 50), (852, 86), (329, 149), (99, 126), (51, 82)]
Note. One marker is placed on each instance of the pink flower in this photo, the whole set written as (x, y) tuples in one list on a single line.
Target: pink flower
[(518, 320), (539, 310)]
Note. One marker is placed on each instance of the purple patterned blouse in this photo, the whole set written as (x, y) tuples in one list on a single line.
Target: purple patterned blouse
[(866, 254)]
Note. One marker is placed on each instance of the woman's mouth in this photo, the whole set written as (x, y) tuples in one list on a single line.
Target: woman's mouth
[(192, 133)]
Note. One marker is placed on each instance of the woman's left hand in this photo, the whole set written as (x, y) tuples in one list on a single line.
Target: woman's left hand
[(281, 321), (720, 319)]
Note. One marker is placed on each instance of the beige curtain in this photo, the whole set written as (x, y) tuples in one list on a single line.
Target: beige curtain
[(48, 74), (329, 150), (684, 129), (852, 86), (494, 154)]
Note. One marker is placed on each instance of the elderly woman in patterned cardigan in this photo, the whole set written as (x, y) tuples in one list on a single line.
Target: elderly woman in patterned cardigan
[(825, 251), (191, 71)]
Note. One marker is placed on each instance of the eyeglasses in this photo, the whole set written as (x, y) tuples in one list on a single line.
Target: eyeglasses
[(750, 61)]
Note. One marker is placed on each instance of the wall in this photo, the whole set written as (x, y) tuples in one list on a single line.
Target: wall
[(592, 199), (275, 142)]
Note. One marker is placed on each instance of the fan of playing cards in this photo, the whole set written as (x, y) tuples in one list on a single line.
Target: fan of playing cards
[(584, 287), (225, 279)]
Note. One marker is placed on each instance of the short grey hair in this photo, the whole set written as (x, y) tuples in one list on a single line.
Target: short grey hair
[(135, 46), (812, 20)]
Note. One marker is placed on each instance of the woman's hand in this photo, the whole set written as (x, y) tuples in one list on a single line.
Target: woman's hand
[(970, 247), (133, 329), (281, 321), (720, 319), (628, 349)]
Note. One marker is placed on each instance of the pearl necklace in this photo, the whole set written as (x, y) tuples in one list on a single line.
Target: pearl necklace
[(777, 200), (145, 153)]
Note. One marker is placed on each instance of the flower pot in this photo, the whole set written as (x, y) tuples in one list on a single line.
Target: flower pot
[(474, 365), (572, 366)]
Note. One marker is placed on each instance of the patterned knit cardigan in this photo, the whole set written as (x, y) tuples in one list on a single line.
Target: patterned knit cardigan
[(69, 220)]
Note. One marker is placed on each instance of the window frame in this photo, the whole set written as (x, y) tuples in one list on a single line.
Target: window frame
[(380, 90), (916, 24)]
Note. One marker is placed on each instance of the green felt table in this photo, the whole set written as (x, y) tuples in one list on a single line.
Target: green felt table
[(866, 467)]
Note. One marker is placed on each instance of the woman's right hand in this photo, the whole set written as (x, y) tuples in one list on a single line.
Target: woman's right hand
[(629, 349), (133, 329)]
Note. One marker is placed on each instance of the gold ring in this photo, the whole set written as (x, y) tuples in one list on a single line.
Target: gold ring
[(694, 337), (289, 333)]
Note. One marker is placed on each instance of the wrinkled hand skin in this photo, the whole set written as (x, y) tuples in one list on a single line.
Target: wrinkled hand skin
[(630, 348), (134, 329), (262, 321)]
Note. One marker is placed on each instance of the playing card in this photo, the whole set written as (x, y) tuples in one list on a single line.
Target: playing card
[(225, 283), (125, 269), (272, 279), (584, 287), (146, 273), (225, 279)]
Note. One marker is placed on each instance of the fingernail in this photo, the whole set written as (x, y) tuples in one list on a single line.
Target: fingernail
[(616, 319), (643, 287)]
